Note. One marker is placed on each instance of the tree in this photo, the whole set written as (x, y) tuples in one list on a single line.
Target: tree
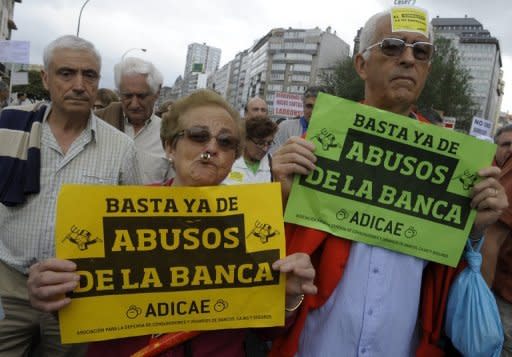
[(35, 89), (448, 87), (344, 81)]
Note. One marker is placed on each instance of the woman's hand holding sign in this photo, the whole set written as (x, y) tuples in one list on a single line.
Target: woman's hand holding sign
[(49, 281), (489, 199), (300, 276)]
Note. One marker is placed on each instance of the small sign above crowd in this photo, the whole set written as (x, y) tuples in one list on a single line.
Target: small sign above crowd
[(287, 105)]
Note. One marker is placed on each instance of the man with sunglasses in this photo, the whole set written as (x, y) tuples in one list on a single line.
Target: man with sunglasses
[(255, 163), (368, 302), (139, 82), (289, 128)]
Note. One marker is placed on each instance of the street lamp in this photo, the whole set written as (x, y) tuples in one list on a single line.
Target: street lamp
[(132, 49), (80, 16)]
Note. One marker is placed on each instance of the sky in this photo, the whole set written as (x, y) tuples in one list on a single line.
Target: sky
[(166, 27)]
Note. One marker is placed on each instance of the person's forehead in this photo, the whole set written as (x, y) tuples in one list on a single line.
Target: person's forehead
[(75, 59), (136, 83), (208, 115), (505, 136), (257, 103)]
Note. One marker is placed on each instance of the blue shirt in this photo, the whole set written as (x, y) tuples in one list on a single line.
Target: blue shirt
[(372, 312)]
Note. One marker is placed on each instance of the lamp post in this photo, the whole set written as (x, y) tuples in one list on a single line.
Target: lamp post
[(79, 17), (132, 49)]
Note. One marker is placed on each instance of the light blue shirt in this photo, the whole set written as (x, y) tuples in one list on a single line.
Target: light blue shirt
[(372, 312)]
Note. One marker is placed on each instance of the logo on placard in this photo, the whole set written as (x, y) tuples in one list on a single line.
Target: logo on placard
[(326, 139), (467, 179), (410, 232), (342, 214), (82, 238), (220, 305), (133, 311), (263, 231)]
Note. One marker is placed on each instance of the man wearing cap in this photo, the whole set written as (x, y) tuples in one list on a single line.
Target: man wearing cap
[(368, 303)]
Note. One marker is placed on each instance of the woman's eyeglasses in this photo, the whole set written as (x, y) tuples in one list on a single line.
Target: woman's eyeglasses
[(394, 47), (200, 135)]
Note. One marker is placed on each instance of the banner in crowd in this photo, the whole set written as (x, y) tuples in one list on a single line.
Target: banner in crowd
[(388, 180), (164, 259), (287, 105)]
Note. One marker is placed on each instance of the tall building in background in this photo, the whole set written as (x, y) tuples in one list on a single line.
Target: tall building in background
[(202, 60), (284, 60), (480, 54)]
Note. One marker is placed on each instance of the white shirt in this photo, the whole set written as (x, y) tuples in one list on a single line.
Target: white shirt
[(241, 174), (150, 153)]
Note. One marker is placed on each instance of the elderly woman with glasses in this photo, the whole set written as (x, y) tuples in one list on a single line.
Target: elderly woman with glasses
[(202, 136), (256, 163)]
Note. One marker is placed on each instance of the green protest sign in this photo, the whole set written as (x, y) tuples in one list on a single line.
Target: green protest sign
[(389, 181)]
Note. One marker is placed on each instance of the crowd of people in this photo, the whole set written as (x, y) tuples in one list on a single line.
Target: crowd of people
[(342, 297)]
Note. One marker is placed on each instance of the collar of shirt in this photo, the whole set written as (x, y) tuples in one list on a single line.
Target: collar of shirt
[(91, 123), (146, 122)]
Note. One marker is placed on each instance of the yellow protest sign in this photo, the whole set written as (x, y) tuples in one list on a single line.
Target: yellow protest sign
[(164, 259), (409, 19)]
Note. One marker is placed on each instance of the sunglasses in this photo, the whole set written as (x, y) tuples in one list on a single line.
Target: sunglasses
[(262, 143), (394, 47), (309, 106), (201, 135)]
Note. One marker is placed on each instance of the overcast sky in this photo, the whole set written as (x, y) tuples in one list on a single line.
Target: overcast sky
[(166, 27)]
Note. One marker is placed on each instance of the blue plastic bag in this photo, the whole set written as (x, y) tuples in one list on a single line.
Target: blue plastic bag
[(472, 319)]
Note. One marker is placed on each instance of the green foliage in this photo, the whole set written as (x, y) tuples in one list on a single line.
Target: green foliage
[(448, 86), (344, 81), (447, 89), (35, 89)]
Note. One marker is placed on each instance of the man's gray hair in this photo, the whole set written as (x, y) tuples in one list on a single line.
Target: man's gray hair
[(368, 34), (69, 42), (503, 129), (132, 66)]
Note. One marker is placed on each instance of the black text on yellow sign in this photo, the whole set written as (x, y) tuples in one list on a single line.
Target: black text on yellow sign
[(172, 246)]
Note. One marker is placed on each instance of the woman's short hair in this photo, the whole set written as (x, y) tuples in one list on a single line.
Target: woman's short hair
[(172, 124), (260, 128)]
